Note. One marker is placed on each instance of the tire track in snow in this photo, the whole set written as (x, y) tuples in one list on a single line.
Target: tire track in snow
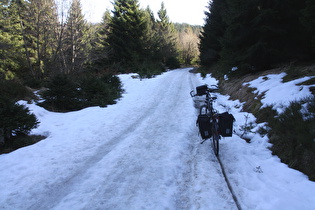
[(155, 162), (59, 190), (158, 178), (65, 187), (207, 173)]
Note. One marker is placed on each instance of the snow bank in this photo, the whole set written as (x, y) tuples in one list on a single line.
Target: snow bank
[(278, 94)]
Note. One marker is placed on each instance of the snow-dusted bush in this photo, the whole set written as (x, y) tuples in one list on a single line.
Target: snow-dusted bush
[(292, 135), (15, 119), (66, 94)]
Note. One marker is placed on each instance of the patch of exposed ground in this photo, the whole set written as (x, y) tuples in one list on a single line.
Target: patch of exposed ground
[(235, 88)]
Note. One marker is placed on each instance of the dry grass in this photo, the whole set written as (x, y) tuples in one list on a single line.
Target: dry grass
[(235, 88)]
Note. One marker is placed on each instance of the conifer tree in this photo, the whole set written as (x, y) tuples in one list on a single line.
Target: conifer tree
[(167, 34), (38, 21), (75, 46), (280, 36), (239, 35), (99, 55), (11, 44), (213, 31), (151, 38), (308, 20), (127, 31), (255, 35)]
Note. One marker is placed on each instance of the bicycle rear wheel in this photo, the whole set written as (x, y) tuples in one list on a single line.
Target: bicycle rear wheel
[(215, 137)]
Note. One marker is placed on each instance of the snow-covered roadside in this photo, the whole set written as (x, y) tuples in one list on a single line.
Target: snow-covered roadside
[(144, 153), (258, 178), (278, 94)]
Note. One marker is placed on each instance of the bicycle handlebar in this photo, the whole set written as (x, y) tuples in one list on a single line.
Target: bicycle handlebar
[(212, 89), (192, 94)]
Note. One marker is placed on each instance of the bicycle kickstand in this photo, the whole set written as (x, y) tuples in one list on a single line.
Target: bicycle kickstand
[(203, 141)]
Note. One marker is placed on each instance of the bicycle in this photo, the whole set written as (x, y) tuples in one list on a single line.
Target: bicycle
[(209, 116)]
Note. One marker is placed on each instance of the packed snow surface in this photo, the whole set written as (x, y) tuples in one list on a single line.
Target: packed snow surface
[(280, 94), (144, 153)]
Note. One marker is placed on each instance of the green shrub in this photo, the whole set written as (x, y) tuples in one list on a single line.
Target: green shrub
[(149, 69), (13, 90), (292, 135), (62, 95), (172, 63), (265, 114), (15, 120), (114, 84), (100, 91), (94, 92)]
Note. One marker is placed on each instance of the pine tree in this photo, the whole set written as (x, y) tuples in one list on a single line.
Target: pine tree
[(213, 31), (127, 31), (11, 44), (38, 22), (239, 34), (99, 55), (308, 20), (281, 36), (168, 36), (151, 38), (75, 46)]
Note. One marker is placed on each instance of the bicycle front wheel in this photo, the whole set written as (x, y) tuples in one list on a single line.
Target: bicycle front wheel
[(203, 110)]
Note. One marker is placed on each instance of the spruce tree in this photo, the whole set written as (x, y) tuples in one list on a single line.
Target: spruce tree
[(99, 55), (127, 31), (38, 21), (213, 31), (151, 39), (239, 34), (15, 119), (308, 20), (168, 36), (11, 44), (261, 34), (281, 36), (75, 39)]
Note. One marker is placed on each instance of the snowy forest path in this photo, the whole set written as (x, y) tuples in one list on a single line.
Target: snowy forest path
[(143, 153)]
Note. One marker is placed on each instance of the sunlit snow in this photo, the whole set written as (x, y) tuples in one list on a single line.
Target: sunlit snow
[(144, 153)]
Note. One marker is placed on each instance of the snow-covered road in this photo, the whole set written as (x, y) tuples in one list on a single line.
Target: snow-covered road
[(144, 153)]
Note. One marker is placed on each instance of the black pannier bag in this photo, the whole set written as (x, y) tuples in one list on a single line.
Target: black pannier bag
[(205, 126), (202, 90), (226, 124)]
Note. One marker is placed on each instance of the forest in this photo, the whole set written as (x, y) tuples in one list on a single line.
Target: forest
[(72, 64), (38, 41), (257, 35), (245, 38)]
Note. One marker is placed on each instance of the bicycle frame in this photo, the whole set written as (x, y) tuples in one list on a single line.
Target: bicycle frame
[(211, 112)]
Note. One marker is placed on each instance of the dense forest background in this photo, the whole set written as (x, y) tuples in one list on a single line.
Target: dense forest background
[(72, 63), (243, 38), (257, 35), (38, 41)]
